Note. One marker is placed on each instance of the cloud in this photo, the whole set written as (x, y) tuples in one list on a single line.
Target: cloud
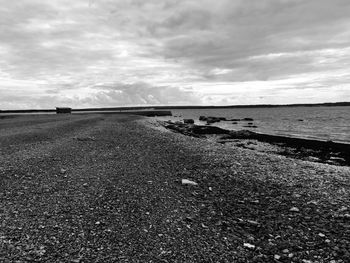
[(64, 49), (140, 94), (101, 95)]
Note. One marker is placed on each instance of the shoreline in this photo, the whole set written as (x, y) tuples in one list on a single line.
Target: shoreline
[(336, 153)]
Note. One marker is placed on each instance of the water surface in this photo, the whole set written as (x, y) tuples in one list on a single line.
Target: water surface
[(323, 123)]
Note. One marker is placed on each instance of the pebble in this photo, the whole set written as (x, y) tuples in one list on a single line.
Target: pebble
[(294, 209), (343, 208), (277, 257), (247, 245), (204, 226), (252, 222), (188, 182)]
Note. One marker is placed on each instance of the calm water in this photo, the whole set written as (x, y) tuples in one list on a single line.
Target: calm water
[(325, 123)]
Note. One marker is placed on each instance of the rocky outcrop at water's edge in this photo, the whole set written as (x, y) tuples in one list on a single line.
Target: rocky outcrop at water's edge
[(310, 150)]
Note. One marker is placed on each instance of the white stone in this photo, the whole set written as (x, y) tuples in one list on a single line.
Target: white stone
[(294, 209), (247, 245), (188, 182)]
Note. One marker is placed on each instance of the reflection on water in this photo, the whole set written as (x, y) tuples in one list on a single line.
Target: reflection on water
[(326, 123)]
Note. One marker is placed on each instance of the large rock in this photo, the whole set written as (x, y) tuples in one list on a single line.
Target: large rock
[(242, 134), (189, 121), (208, 130), (213, 119)]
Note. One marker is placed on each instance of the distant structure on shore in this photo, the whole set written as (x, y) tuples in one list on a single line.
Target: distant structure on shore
[(66, 110)]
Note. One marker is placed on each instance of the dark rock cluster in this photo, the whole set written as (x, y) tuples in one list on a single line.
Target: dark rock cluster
[(306, 149)]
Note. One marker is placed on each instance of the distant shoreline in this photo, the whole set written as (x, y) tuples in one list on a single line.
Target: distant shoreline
[(326, 104)]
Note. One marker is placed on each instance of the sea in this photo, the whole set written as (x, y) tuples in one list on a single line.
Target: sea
[(320, 123)]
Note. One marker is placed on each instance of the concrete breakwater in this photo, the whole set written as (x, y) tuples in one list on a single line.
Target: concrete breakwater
[(147, 113)]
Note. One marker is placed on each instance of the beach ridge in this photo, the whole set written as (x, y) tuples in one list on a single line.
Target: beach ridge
[(107, 188)]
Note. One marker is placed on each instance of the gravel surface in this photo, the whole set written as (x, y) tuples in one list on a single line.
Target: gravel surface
[(94, 188)]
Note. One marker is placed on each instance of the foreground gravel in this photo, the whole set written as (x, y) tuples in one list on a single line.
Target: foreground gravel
[(94, 188)]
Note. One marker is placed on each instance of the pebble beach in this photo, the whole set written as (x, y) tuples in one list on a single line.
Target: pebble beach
[(110, 188)]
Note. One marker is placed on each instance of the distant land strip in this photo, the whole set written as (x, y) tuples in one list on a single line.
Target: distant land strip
[(327, 104)]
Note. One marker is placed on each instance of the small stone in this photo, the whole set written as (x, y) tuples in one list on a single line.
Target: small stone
[(252, 222), (277, 257), (294, 209), (98, 223), (314, 202), (247, 245), (343, 208), (321, 235), (313, 159), (210, 189), (290, 255), (62, 171), (188, 182), (204, 226), (285, 251), (327, 241)]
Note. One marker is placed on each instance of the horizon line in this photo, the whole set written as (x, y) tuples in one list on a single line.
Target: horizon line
[(185, 107)]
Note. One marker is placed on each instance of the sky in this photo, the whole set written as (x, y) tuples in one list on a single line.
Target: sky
[(105, 53)]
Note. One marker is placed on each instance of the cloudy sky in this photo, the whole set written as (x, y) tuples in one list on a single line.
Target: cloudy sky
[(92, 53)]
